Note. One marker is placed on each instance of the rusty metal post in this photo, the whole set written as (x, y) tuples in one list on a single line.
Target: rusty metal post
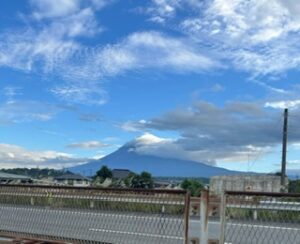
[(187, 217), (204, 214), (222, 218)]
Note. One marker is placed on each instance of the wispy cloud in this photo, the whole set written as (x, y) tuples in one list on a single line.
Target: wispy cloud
[(217, 88), (26, 111), (257, 36), (10, 92), (91, 117), (86, 93), (50, 40), (141, 50), (87, 145), (52, 9), (51, 45), (271, 88)]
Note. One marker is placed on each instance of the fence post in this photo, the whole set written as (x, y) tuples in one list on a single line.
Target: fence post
[(204, 213), (92, 204), (222, 218), (187, 217), (31, 201), (255, 214)]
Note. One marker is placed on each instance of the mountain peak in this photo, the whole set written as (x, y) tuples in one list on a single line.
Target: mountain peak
[(147, 139), (129, 157)]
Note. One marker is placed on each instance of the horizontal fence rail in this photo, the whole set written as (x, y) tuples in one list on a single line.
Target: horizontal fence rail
[(258, 217), (94, 215)]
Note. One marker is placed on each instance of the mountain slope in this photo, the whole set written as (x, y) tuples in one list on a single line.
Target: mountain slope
[(126, 158)]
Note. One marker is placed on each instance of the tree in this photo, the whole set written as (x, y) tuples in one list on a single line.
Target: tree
[(147, 180), (104, 173), (193, 186), (143, 181), (294, 186)]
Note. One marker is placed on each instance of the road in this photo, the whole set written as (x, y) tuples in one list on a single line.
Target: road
[(135, 228)]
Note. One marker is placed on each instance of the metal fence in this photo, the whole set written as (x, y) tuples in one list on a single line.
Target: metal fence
[(94, 215), (258, 217)]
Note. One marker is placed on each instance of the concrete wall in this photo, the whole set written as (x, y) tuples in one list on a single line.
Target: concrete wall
[(263, 183)]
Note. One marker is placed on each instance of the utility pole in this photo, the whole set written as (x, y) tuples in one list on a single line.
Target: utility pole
[(284, 145)]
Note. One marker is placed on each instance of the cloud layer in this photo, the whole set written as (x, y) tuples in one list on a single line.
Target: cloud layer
[(15, 156), (239, 131)]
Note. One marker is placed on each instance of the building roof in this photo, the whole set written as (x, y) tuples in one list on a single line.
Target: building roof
[(71, 177), (7, 176), (120, 173)]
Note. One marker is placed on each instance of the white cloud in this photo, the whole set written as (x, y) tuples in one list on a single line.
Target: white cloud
[(15, 156), (54, 48), (85, 93), (292, 104), (49, 46), (87, 145), (54, 8), (295, 145), (149, 144), (148, 139), (154, 49), (130, 126), (10, 92), (26, 111), (162, 9), (141, 50), (259, 36)]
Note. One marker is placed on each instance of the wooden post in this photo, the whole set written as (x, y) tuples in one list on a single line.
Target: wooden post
[(187, 217)]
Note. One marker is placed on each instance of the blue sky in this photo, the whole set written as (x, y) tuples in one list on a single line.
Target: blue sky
[(199, 80)]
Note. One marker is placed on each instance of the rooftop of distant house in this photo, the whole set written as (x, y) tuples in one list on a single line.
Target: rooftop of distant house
[(71, 177), (8, 176), (120, 173)]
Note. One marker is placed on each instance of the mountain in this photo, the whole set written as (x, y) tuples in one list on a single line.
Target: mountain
[(293, 174), (36, 173), (127, 157)]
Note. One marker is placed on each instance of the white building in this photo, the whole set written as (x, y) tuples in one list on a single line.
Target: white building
[(254, 182), (72, 180)]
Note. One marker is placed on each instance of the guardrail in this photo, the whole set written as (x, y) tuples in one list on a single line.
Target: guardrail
[(94, 215), (259, 217)]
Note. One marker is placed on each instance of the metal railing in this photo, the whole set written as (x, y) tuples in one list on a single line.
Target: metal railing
[(259, 217), (94, 215)]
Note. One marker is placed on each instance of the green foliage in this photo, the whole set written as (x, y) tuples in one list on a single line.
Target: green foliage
[(143, 181), (294, 186), (127, 180), (193, 186), (104, 173)]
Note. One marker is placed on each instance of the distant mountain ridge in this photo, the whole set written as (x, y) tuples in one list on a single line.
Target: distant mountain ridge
[(126, 157), (35, 172)]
